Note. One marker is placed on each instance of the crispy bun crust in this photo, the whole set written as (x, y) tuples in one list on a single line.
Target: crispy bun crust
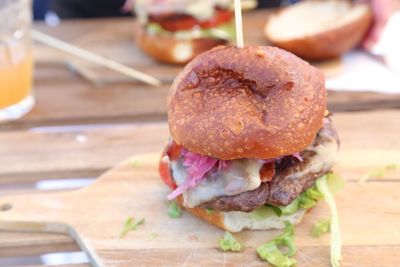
[(328, 44), (167, 49), (254, 102), (214, 218)]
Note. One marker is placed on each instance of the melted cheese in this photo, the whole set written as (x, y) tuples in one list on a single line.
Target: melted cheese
[(242, 175), (326, 156)]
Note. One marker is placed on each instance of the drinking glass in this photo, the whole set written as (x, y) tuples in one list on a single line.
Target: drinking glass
[(16, 64)]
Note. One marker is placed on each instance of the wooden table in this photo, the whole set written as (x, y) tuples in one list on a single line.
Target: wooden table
[(79, 130)]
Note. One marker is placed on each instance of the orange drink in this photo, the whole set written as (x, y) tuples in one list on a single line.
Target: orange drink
[(15, 82), (15, 59)]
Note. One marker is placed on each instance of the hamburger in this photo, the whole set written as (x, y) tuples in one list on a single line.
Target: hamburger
[(175, 31), (250, 135)]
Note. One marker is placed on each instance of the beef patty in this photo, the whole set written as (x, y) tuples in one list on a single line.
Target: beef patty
[(292, 177)]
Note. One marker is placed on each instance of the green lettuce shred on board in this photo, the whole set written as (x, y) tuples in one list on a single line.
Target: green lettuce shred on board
[(272, 252), (130, 225), (321, 227), (378, 173), (153, 236), (174, 211), (229, 243)]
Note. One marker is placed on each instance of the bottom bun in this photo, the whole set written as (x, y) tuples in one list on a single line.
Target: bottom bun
[(236, 221), (171, 50)]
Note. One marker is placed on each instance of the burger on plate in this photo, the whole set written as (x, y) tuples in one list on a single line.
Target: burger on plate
[(250, 135), (175, 31)]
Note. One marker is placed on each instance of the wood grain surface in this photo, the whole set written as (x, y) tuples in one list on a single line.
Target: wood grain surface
[(87, 151), (94, 217), (13, 244), (73, 152)]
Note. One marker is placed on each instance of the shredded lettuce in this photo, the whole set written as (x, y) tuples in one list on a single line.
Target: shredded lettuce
[(262, 213), (229, 243), (336, 243), (135, 163), (224, 31), (174, 211), (130, 225), (306, 200), (311, 196), (378, 173), (272, 253), (210, 211), (321, 227), (335, 182), (153, 236)]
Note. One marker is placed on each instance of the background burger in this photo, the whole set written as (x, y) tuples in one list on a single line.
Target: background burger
[(175, 31), (250, 136)]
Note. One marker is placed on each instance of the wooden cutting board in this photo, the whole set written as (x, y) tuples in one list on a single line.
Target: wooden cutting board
[(94, 216)]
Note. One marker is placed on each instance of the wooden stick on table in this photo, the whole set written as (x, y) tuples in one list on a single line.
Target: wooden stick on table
[(92, 57)]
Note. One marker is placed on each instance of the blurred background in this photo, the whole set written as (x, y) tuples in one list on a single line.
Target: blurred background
[(69, 9)]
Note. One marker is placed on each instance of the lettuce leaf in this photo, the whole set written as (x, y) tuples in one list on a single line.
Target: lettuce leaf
[(336, 242), (210, 211), (262, 213), (311, 196), (229, 243), (224, 31), (335, 182), (272, 253), (378, 173), (306, 200), (321, 227), (130, 225), (174, 211)]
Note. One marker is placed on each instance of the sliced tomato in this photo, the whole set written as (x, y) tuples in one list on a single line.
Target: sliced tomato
[(221, 17), (174, 150), (267, 172), (181, 22), (165, 173)]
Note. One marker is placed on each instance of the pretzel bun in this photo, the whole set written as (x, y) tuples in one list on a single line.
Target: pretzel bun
[(170, 50), (255, 102), (318, 30), (236, 221)]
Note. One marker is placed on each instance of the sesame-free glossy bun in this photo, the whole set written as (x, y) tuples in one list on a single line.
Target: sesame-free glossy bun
[(327, 30), (254, 102), (170, 50)]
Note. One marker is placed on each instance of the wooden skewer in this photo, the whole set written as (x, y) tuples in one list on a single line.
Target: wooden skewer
[(92, 57), (239, 24), (247, 4)]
